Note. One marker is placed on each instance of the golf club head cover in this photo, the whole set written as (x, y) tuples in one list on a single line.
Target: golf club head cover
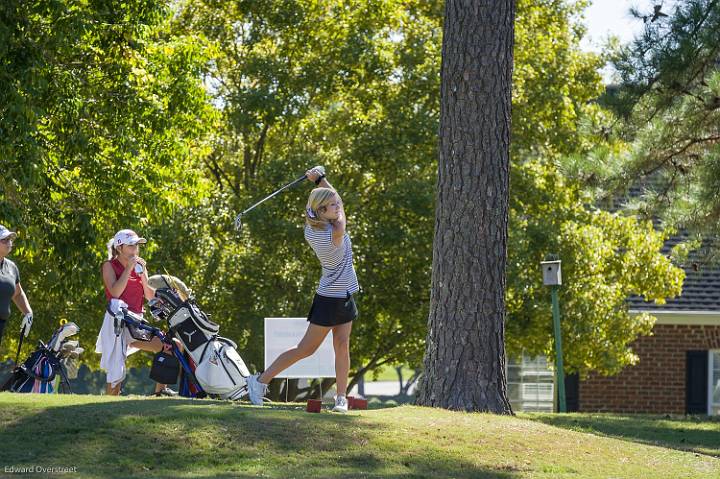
[(63, 332), (69, 345)]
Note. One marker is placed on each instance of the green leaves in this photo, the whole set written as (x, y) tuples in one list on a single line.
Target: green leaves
[(607, 257), (169, 118), (670, 97), (106, 122), (554, 82)]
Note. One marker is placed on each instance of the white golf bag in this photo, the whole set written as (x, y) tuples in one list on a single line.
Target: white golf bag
[(219, 368)]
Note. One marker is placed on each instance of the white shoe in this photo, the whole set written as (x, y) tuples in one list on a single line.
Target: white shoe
[(341, 404), (256, 390)]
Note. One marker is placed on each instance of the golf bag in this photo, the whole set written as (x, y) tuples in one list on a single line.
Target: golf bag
[(37, 373), (219, 369), (166, 368)]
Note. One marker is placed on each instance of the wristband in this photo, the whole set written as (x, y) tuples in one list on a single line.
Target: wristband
[(320, 178)]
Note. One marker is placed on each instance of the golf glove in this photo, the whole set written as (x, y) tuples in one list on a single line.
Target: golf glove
[(26, 324)]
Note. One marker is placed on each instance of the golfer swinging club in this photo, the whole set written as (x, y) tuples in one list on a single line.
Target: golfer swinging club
[(333, 308)]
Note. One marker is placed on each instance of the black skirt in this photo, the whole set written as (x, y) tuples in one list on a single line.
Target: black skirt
[(330, 312)]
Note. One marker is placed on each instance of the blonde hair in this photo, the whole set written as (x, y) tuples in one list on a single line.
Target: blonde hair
[(111, 249), (317, 203)]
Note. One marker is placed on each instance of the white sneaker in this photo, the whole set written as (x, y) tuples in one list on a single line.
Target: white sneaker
[(341, 404), (256, 390)]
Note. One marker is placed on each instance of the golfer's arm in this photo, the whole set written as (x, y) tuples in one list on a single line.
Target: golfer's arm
[(21, 300), (149, 290), (116, 286), (339, 227), (324, 183)]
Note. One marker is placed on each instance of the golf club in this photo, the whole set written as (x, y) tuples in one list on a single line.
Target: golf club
[(22, 336), (238, 218)]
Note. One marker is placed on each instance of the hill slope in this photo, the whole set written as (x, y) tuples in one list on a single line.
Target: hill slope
[(136, 436)]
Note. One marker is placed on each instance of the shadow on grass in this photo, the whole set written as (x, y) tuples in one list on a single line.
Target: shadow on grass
[(700, 435), (177, 438)]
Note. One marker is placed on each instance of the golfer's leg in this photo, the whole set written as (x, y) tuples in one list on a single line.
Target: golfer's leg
[(341, 343), (153, 346), (312, 340), (113, 391), (2, 328)]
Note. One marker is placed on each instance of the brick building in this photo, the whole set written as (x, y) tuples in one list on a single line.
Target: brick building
[(679, 364), (679, 367)]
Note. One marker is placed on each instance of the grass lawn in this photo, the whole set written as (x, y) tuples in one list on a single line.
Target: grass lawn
[(151, 437), (696, 434)]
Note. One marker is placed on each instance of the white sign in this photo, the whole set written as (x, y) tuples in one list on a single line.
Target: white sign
[(282, 334)]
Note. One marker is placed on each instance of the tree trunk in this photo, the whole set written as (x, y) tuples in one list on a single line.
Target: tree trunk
[(465, 351)]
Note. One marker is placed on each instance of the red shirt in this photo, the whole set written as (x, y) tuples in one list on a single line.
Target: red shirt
[(134, 294)]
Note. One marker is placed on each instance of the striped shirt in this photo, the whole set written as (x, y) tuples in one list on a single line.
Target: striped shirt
[(338, 275)]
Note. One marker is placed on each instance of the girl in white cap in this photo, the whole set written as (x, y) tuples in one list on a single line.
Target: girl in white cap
[(10, 288), (126, 282)]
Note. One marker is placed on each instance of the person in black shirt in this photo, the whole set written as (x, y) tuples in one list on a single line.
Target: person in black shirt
[(10, 288)]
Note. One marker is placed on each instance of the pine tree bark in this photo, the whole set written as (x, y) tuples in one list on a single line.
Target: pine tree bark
[(465, 351)]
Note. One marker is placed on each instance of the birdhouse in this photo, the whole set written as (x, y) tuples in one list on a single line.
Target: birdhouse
[(551, 273)]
